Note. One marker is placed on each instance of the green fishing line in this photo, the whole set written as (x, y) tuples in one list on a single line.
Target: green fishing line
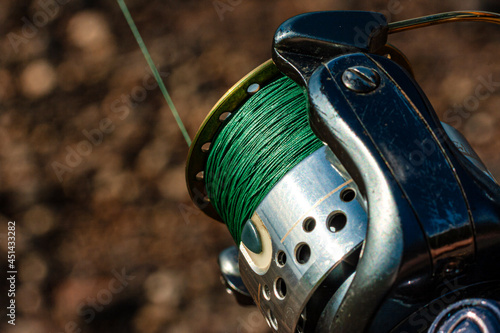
[(260, 143), (156, 74)]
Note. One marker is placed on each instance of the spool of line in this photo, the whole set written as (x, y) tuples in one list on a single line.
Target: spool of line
[(260, 143)]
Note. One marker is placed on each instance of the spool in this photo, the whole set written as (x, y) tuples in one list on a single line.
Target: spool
[(263, 140), (198, 154), (295, 220), (232, 100)]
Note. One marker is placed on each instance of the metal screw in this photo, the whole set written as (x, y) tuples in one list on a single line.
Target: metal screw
[(361, 79), (453, 268)]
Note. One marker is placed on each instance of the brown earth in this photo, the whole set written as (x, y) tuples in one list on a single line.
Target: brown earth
[(121, 206)]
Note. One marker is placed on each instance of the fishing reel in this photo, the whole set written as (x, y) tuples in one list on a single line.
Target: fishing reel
[(392, 224)]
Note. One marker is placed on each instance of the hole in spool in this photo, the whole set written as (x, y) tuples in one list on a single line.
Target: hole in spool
[(273, 323), (206, 147), (347, 195), (309, 224), (280, 288), (336, 221), (200, 175), (223, 116), (281, 258), (266, 292), (253, 88), (302, 253)]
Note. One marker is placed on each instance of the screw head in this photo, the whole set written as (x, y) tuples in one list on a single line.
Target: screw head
[(453, 268), (361, 79)]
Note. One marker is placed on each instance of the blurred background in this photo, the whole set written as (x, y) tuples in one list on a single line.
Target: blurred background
[(92, 162)]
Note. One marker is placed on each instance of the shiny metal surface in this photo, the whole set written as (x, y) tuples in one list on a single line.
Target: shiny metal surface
[(469, 316), (361, 79), (231, 277), (464, 147), (417, 188), (317, 188), (333, 305)]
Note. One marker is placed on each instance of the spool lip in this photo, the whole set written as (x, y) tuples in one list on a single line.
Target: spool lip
[(231, 101)]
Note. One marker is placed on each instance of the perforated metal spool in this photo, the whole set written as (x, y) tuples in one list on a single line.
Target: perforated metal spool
[(317, 222)]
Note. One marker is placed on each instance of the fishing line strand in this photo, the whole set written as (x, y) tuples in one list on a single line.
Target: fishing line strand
[(156, 74)]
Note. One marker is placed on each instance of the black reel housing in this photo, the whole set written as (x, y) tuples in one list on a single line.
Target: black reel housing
[(433, 216)]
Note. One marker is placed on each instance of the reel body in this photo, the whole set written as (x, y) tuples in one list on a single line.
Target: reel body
[(393, 218)]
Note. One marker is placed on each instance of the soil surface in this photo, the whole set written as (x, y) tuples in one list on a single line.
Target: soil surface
[(92, 162)]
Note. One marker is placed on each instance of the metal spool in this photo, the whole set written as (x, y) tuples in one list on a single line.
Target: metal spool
[(315, 222)]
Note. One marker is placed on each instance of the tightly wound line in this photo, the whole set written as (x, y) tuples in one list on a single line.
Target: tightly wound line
[(259, 144)]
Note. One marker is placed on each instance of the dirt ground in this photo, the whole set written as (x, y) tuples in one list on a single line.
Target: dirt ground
[(92, 162)]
